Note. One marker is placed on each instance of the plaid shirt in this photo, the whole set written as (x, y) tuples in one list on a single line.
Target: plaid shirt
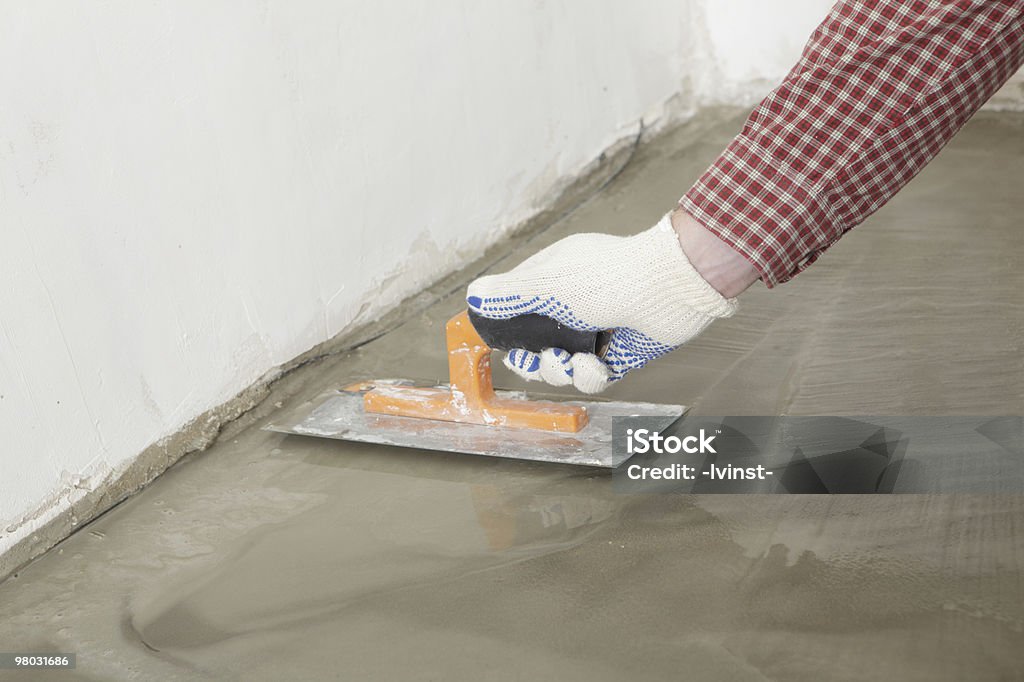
[(881, 86)]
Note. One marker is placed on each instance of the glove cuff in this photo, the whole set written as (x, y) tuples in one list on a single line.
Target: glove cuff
[(681, 278)]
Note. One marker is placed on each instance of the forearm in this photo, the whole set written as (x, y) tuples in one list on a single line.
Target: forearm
[(721, 266)]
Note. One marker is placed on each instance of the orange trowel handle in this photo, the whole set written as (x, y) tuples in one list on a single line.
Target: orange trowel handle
[(469, 362), (470, 396), (469, 373)]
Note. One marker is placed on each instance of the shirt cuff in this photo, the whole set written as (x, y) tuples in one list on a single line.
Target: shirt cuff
[(764, 208)]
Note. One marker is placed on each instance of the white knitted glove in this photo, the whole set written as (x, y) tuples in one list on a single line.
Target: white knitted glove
[(642, 287)]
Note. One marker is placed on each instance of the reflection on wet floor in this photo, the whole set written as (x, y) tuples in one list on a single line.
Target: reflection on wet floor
[(274, 557)]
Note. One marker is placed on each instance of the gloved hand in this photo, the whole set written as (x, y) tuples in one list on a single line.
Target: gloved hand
[(642, 287)]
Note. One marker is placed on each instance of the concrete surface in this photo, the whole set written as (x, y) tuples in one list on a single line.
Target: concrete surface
[(270, 557)]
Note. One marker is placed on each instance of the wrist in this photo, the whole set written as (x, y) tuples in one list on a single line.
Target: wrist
[(721, 266)]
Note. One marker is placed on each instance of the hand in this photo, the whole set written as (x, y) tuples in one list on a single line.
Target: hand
[(642, 288)]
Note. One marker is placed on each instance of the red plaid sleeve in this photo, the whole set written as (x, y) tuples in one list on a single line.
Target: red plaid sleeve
[(881, 86)]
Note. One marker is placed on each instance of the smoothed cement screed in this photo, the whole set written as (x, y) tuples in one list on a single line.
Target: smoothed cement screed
[(274, 557)]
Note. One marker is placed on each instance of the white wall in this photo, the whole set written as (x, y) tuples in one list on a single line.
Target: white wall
[(747, 46), (192, 193)]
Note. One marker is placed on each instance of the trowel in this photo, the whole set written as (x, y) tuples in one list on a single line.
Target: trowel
[(468, 415)]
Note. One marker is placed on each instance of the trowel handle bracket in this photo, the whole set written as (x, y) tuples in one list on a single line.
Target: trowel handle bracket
[(470, 396)]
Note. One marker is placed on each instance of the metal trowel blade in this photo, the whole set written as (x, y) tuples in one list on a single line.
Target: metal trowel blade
[(339, 415)]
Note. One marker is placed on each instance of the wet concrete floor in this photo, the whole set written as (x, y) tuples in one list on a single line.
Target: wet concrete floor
[(272, 557)]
